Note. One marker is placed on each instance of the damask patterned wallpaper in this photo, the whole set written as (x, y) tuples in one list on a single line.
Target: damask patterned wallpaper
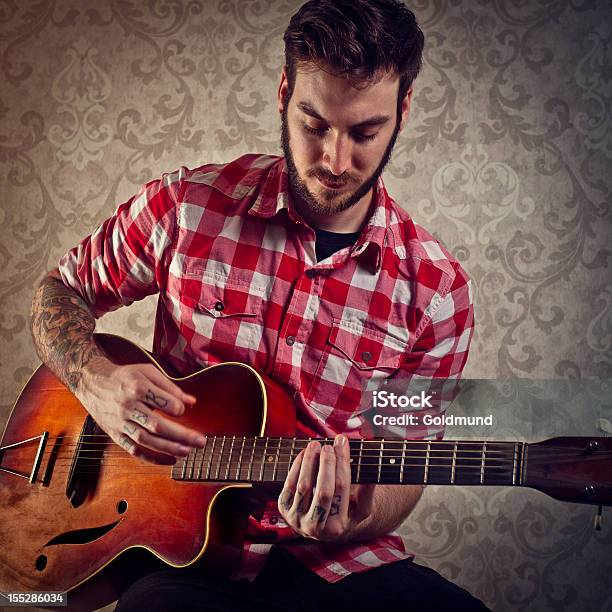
[(506, 158)]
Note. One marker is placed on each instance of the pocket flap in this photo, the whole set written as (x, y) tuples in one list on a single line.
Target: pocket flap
[(226, 299), (367, 348)]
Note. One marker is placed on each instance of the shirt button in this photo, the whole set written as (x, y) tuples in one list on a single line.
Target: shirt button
[(311, 273), (290, 340), (366, 356), (219, 306)]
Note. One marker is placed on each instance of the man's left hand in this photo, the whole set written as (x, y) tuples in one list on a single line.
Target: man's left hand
[(317, 500)]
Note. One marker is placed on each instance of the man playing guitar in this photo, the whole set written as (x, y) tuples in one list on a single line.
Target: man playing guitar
[(303, 267)]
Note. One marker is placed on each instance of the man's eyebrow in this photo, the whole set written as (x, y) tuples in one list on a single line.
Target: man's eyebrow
[(374, 121)]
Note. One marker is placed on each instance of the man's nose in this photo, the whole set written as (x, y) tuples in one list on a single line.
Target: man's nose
[(338, 154)]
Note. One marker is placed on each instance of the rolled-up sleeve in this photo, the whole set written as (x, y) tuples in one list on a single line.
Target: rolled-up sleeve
[(126, 258)]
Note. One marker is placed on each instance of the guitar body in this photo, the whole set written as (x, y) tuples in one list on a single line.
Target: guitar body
[(57, 532), (79, 514)]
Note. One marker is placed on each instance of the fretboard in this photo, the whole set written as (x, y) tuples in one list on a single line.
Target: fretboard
[(263, 459)]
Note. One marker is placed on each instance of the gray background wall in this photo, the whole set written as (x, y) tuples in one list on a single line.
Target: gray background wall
[(506, 159)]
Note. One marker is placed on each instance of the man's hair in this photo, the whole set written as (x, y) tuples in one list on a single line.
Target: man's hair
[(358, 39)]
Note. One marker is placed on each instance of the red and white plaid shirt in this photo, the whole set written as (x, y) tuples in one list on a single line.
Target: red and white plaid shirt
[(235, 268)]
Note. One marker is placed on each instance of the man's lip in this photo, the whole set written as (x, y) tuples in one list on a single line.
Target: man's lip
[(331, 185)]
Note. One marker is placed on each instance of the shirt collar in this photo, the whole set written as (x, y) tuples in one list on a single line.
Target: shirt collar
[(274, 193), (274, 196)]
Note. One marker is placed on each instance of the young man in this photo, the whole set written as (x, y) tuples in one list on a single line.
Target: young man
[(305, 268)]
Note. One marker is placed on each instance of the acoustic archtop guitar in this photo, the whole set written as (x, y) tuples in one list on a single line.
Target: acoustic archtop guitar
[(79, 514)]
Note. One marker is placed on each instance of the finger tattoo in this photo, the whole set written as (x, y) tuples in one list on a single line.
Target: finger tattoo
[(158, 401), (300, 503), (140, 417), (318, 514), (130, 428), (335, 505), (126, 443), (287, 499)]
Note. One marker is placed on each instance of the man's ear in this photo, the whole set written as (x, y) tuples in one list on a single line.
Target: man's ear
[(283, 90), (405, 109)]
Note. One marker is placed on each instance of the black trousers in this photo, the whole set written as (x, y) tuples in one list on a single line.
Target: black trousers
[(285, 584)]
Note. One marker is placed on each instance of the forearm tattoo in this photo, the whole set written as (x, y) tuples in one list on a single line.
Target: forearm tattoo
[(156, 400), (62, 327)]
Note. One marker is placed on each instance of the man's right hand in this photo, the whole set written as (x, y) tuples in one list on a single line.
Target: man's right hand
[(129, 402)]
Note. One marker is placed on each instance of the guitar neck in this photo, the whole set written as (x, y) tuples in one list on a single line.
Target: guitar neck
[(267, 460)]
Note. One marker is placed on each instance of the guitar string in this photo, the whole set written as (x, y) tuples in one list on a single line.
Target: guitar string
[(353, 441), (281, 475), (219, 464), (283, 464), (93, 454), (97, 447), (435, 462), (220, 455), (371, 476), (385, 441), (113, 449)]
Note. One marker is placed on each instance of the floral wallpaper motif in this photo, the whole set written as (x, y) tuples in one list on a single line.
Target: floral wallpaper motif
[(506, 158)]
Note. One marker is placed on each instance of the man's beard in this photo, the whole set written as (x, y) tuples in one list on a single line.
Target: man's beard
[(303, 194)]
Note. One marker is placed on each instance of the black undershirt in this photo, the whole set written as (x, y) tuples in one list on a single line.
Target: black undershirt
[(329, 242)]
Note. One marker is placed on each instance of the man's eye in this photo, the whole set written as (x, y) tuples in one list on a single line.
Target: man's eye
[(364, 137), (316, 131)]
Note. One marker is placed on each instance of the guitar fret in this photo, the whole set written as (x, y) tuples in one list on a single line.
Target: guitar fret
[(292, 452), (402, 464), (186, 459), (263, 461), (191, 462), (212, 452), (250, 471), (380, 460), (482, 463), (426, 474), (202, 459), (184, 470), (275, 470), (220, 458), (453, 467), (239, 466), (358, 478), (229, 458), (514, 463)]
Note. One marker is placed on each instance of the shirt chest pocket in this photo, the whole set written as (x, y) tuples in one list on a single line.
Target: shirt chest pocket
[(225, 301), (226, 317), (356, 361)]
